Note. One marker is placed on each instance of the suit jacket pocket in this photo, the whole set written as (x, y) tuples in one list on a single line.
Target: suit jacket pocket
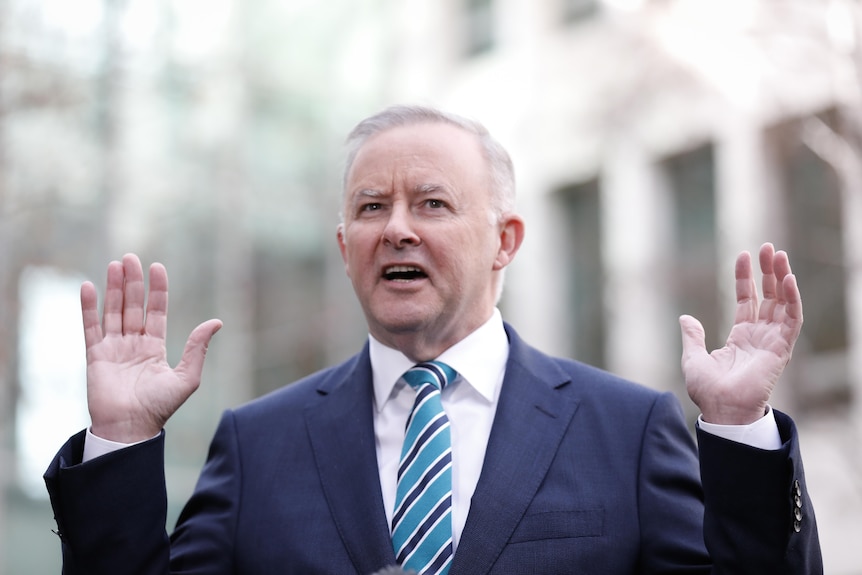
[(560, 525)]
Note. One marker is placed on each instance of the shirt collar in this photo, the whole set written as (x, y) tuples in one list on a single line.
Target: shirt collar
[(480, 359)]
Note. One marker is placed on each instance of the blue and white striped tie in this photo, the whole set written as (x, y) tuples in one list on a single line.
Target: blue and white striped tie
[(422, 522)]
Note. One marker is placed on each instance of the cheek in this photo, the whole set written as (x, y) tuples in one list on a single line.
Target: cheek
[(359, 258), (462, 265), (473, 248), (483, 247), (354, 243)]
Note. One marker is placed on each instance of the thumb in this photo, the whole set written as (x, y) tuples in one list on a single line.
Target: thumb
[(693, 337), (191, 363)]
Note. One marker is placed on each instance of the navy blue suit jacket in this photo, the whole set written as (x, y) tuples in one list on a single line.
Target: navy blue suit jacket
[(585, 473)]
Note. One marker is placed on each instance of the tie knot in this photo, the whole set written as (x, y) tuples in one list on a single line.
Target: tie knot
[(434, 373)]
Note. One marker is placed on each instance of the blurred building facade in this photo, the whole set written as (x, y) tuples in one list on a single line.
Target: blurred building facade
[(197, 134), (653, 140)]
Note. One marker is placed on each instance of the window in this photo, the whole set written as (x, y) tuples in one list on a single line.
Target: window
[(585, 273), (53, 400), (691, 179), (479, 26), (814, 214), (812, 193), (576, 10)]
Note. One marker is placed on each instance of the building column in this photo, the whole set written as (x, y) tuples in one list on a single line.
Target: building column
[(642, 332)]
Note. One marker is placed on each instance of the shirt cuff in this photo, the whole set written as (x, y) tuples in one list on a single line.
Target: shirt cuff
[(95, 446), (762, 434)]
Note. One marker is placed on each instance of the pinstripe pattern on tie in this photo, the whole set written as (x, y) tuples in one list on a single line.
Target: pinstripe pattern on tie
[(422, 521)]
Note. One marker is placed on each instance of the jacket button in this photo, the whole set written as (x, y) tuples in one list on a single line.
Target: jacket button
[(797, 506)]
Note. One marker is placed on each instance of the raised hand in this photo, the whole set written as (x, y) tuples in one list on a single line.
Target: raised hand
[(131, 389), (732, 385)]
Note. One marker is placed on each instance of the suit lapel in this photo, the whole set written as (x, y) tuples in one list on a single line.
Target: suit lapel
[(341, 430), (531, 420)]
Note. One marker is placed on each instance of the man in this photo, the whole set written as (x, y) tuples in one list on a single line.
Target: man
[(545, 465)]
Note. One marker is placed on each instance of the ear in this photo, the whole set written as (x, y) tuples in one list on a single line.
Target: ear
[(511, 236), (342, 246)]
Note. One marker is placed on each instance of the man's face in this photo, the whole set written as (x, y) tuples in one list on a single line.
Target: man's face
[(419, 240)]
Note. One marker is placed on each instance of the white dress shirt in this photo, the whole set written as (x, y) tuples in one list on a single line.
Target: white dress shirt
[(469, 402)]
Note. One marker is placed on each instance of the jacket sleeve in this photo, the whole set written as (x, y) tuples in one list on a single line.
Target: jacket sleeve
[(758, 518), (110, 511), (670, 498), (750, 507)]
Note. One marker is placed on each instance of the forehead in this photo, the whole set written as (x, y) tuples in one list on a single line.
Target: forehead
[(418, 151)]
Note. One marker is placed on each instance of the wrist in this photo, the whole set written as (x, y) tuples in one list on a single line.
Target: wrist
[(724, 415), (123, 433), (762, 434)]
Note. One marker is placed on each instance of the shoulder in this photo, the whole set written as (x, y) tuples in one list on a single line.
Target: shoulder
[(590, 385)]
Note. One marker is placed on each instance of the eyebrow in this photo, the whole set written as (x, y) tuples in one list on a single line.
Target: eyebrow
[(366, 193), (430, 188), (373, 193)]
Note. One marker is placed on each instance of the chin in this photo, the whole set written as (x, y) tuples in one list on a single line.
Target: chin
[(400, 320), (400, 326)]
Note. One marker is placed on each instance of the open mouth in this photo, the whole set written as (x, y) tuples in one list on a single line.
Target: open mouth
[(403, 273)]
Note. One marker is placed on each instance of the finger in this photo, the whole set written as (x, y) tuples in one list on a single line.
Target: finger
[(767, 267), (781, 268), (792, 318), (746, 290), (769, 282), (157, 302), (693, 337), (113, 313), (191, 363), (90, 314), (133, 295)]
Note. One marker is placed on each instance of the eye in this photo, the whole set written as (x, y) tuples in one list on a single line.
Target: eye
[(432, 203), (370, 207)]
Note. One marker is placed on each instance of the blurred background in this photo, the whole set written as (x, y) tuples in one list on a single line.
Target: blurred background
[(653, 140)]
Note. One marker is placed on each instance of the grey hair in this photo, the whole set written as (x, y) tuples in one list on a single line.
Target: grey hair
[(500, 166)]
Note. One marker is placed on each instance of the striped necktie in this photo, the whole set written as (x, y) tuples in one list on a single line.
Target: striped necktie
[(422, 522)]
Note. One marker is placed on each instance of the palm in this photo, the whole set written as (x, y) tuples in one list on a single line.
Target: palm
[(130, 377), (734, 383), (131, 389)]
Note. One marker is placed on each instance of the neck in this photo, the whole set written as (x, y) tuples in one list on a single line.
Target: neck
[(417, 347), (426, 345)]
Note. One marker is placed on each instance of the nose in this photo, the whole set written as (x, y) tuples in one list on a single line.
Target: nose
[(400, 231)]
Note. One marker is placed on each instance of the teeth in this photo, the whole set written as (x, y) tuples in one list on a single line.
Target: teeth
[(402, 269), (403, 273)]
